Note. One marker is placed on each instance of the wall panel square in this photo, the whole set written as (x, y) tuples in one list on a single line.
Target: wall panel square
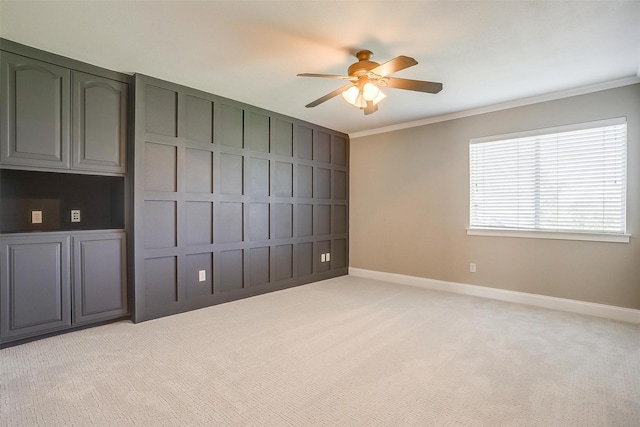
[(283, 227), (161, 111), (231, 174), (231, 126), (322, 146), (283, 185), (195, 263), (339, 254), (256, 132), (259, 266), (230, 222), (231, 270), (284, 262), (304, 258), (258, 227), (160, 167), (161, 281), (282, 137), (159, 224), (305, 220), (339, 219), (339, 185), (305, 143), (199, 119), (324, 220), (199, 223), (323, 183), (258, 177), (305, 181), (339, 151), (199, 171)]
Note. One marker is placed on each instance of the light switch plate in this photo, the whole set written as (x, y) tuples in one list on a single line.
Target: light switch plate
[(323, 258), (328, 257), (202, 275)]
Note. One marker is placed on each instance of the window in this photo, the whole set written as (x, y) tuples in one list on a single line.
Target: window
[(564, 182)]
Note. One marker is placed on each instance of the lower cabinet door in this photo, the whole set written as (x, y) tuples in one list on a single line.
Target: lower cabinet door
[(99, 277), (35, 291)]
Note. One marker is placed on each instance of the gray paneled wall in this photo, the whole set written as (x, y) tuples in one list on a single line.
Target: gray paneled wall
[(250, 197)]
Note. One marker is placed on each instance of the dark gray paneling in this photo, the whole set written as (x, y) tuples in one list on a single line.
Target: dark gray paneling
[(199, 119), (256, 132), (339, 219), (284, 262), (35, 112), (260, 180), (305, 142), (305, 181), (259, 261), (322, 247), (339, 185), (161, 117), (230, 220), (199, 171), (231, 270), (99, 123), (35, 291), (99, 277), (195, 263), (160, 167), (231, 174), (199, 223), (305, 220), (339, 253), (231, 126), (283, 182), (161, 284)]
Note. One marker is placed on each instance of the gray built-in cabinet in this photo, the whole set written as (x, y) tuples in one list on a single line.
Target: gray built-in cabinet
[(54, 281), (231, 200), (55, 117), (64, 118)]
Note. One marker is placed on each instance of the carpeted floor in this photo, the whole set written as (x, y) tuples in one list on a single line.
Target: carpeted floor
[(346, 351)]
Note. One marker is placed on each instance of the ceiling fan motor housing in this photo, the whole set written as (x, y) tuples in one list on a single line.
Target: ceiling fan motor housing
[(363, 66)]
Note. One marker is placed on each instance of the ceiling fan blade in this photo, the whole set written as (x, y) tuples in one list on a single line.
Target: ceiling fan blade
[(370, 108), (328, 96), (417, 85), (327, 76), (396, 64)]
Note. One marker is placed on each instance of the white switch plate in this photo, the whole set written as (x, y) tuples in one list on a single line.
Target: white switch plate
[(472, 267), (202, 275), (328, 257), (75, 215), (323, 258), (36, 217)]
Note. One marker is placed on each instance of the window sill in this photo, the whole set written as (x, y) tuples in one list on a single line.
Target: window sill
[(593, 237)]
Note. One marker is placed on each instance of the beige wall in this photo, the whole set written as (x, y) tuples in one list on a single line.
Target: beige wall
[(409, 210)]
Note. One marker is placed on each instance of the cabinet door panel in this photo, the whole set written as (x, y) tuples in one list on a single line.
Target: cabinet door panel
[(99, 277), (35, 112), (99, 123), (35, 286)]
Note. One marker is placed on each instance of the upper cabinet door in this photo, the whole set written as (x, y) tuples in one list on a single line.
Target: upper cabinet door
[(34, 112), (99, 123)]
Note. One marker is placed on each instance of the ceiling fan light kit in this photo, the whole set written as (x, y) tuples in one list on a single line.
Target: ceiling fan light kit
[(366, 76)]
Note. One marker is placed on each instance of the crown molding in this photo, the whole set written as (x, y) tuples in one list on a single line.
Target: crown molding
[(502, 106)]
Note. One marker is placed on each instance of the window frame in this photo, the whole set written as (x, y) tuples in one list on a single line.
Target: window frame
[(549, 234)]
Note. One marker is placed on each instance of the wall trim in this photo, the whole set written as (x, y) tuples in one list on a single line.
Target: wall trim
[(502, 106), (573, 306)]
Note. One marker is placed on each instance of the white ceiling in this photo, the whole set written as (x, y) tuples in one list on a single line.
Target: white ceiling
[(484, 52)]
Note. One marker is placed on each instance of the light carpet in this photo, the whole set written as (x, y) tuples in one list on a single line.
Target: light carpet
[(346, 351)]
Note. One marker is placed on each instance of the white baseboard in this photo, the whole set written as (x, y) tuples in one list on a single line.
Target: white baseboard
[(573, 306)]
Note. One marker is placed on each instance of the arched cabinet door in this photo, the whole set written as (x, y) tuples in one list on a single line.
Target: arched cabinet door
[(35, 112), (99, 123)]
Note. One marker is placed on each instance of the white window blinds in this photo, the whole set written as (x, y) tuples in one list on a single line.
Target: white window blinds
[(566, 179)]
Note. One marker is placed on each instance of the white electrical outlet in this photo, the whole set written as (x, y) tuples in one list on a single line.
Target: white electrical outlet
[(75, 215), (323, 258), (472, 267), (328, 257), (202, 275), (36, 217)]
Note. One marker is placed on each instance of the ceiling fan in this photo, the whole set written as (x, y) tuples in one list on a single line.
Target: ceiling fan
[(365, 77)]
